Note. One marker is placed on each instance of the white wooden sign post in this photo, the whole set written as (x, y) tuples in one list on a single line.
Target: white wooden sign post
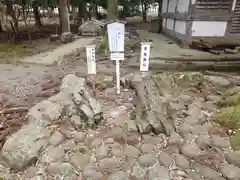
[(91, 63), (145, 55), (91, 59), (116, 33)]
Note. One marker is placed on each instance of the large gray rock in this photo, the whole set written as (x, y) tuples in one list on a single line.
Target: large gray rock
[(120, 175), (61, 170), (218, 80), (88, 108), (230, 172), (110, 165), (147, 159), (158, 172), (91, 174), (56, 139), (70, 82), (52, 154), (182, 162), (79, 160), (5, 173), (90, 28), (38, 177), (131, 151), (138, 172), (233, 158), (23, 147), (165, 159), (66, 37), (191, 150), (102, 152), (207, 172), (220, 142), (45, 112)]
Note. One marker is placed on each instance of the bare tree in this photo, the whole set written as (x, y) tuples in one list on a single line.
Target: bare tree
[(82, 12), (37, 17), (14, 12), (64, 16)]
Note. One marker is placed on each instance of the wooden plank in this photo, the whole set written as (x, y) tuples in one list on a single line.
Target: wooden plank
[(200, 16), (213, 5)]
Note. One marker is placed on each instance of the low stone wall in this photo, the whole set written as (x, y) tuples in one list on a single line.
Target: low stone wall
[(40, 140)]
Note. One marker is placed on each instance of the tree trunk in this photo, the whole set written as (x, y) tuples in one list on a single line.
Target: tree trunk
[(60, 20), (112, 9), (64, 16), (11, 12), (37, 17), (94, 11), (159, 8), (144, 10), (50, 12), (1, 28), (74, 12), (69, 7), (82, 12)]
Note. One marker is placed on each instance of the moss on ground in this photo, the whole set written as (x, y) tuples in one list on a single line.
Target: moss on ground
[(229, 114), (228, 117), (231, 92), (11, 53), (103, 46), (235, 141), (100, 82), (231, 100)]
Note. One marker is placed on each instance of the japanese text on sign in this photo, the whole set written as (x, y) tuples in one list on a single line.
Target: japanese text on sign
[(116, 33), (91, 59), (145, 54)]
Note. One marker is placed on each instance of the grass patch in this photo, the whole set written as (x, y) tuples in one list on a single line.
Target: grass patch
[(11, 53), (235, 141), (228, 117)]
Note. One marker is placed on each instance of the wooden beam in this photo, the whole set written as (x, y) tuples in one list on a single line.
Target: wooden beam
[(200, 16)]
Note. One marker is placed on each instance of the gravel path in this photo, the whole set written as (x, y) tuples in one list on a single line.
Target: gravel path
[(18, 83)]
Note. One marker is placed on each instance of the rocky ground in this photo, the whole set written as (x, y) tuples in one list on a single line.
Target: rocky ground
[(59, 123), (81, 134)]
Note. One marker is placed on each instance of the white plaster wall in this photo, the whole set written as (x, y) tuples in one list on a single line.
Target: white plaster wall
[(209, 28), (193, 1), (172, 5), (182, 6), (180, 26), (234, 5), (164, 6), (170, 23), (164, 22)]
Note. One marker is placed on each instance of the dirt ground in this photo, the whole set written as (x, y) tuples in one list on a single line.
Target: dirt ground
[(22, 86), (11, 52)]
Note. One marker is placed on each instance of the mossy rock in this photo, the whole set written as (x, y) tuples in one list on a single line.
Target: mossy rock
[(228, 117), (231, 97), (100, 82), (231, 91), (164, 78), (235, 141), (189, 79), (164, 82), (232, 100)]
